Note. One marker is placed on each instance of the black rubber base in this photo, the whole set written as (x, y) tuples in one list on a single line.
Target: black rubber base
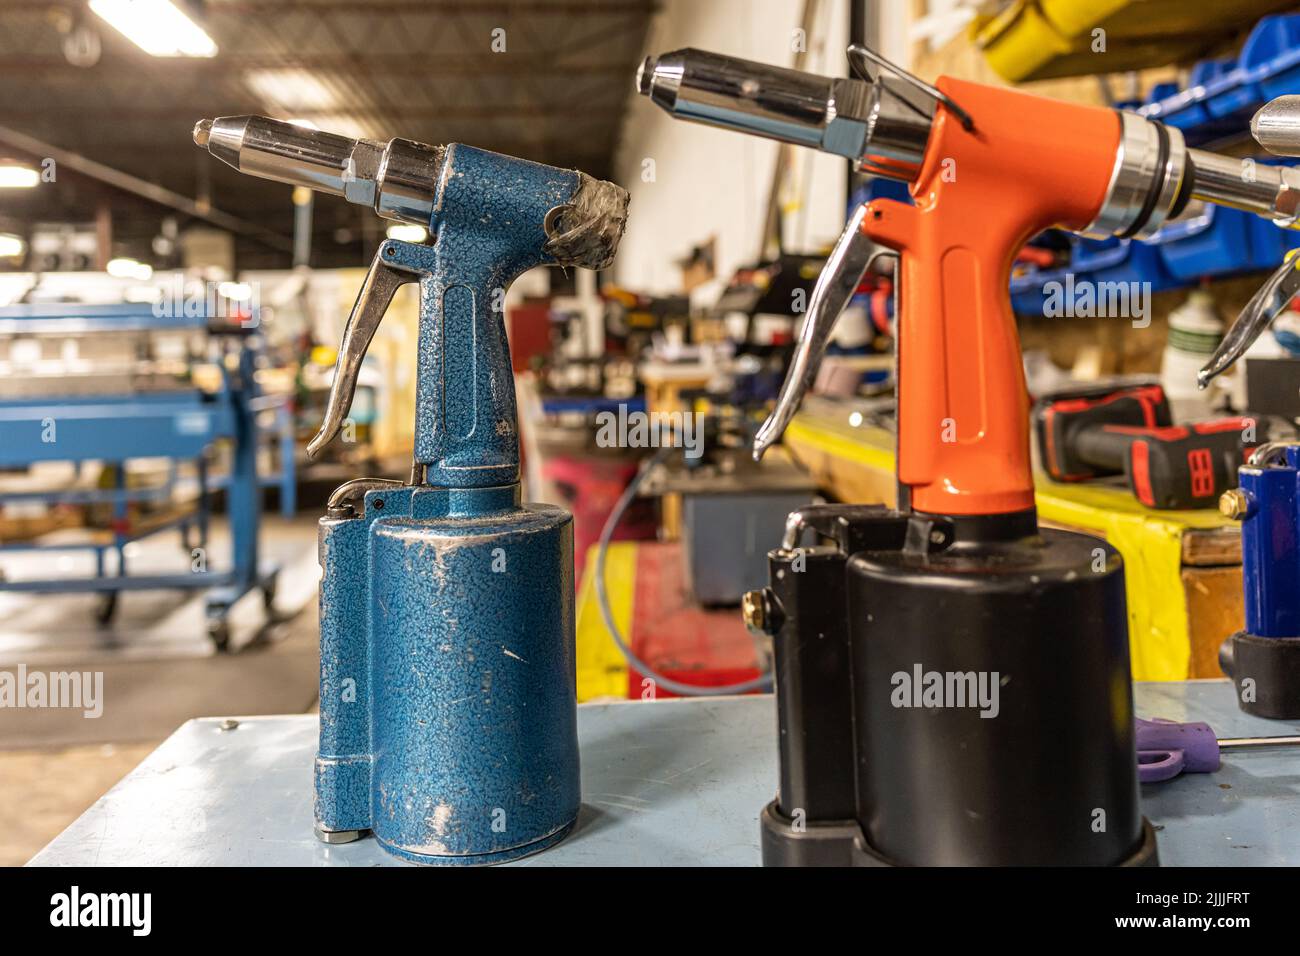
[(842, 844), (1266, 671)]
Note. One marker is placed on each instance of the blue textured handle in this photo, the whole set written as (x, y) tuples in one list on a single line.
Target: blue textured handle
[(489, 224)]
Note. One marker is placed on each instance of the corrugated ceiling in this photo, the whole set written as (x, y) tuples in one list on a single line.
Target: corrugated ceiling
[(422, 69)]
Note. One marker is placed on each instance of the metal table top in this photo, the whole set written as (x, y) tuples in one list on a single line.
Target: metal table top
[(670, 783)]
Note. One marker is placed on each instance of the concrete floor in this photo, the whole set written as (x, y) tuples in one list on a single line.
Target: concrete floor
[(60, 629), (42, 791), (158, 671)]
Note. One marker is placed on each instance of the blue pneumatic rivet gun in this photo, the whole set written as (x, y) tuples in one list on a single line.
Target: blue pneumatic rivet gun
[(447, 690)]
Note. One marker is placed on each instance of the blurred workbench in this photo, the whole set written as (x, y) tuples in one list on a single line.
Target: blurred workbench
[(671, 783), (1182, 568)]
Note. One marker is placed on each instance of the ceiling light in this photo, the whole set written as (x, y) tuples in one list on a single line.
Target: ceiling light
[(407, 232), (236, 291), (11, 246), (129, 269), (13, 176), (156, 26)]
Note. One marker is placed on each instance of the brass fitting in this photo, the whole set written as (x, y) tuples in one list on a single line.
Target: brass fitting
[(1234, 503), (754, 610)]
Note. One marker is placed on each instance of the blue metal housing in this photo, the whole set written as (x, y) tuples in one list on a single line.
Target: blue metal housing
[(448, 698), (1270, 546)]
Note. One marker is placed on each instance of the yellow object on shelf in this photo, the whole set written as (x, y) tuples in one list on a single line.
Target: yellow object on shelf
[(1151, 543), (1046, 39), (324, 355)]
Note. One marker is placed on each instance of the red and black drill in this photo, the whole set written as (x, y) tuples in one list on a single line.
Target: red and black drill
[(1105, 430)]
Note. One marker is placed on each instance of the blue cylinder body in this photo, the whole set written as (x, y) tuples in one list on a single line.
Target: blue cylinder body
[(1270, 547), (455, 607)]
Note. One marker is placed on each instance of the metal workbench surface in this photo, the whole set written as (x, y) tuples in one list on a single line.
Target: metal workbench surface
[(670, 783)]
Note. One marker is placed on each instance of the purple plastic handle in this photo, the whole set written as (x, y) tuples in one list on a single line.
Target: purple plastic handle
[(1166, 748)]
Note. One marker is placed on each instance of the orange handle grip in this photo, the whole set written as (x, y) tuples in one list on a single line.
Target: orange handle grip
[(963, 409)]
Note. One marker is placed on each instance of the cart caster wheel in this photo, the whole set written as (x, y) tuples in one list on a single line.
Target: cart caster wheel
[(219, 634), (106, 607)]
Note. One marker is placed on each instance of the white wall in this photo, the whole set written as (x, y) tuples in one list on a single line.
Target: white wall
[(713, 182)]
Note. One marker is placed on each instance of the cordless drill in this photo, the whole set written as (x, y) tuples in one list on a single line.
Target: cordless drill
[(1103, 430), (447, 693), (952, 680)]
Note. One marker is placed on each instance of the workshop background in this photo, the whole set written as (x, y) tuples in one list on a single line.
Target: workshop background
[(159, 537)]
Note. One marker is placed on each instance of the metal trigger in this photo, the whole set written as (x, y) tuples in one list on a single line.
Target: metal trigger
[(857, 50), (1264, 306), (381, 283), (848, 262)]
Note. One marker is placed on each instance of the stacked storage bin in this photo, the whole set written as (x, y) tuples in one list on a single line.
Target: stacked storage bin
[(1206, 241)]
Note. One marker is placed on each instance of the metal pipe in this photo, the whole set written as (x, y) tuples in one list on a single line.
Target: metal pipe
[(139, 187), (770, 242), (303, 200), (865, 31), (1270, 191)]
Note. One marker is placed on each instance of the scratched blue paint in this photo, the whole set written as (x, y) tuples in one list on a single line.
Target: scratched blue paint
[(448, 697), (1270, 548)]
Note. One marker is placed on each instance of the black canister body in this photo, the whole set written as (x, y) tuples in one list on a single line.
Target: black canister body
[(993, 712)]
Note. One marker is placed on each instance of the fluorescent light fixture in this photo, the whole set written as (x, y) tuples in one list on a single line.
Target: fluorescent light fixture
[(236, 291), (407, 232), (156, 26), (11, 246), (289, 90), (14, 176), (129, 269)]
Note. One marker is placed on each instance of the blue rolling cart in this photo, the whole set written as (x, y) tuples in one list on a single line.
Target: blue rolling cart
[(178, 423)]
